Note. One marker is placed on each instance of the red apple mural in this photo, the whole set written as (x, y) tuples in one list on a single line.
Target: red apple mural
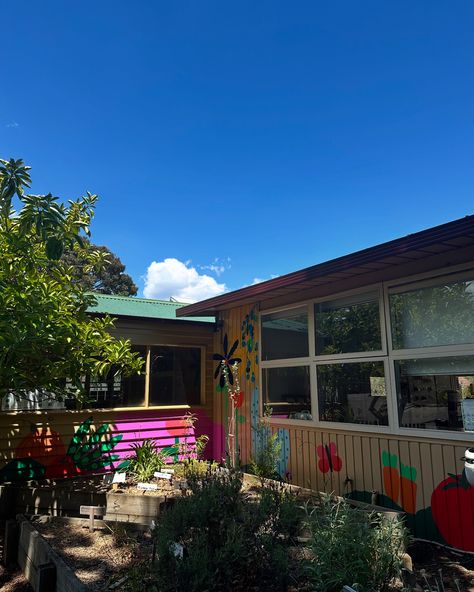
[(452, 507)]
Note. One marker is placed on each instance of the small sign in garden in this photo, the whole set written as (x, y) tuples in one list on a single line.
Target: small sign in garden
[(92, 512), (162, 475), (147, 486)]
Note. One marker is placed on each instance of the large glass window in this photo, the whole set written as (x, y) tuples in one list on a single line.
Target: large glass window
[(433, 316), (286, 391), (353, 392), (174, 379), (348, 325), (113, 390), (436, 393), (285, 334), (175, 375)]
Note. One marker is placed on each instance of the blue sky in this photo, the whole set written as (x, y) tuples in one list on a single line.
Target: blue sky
[(253, 137)]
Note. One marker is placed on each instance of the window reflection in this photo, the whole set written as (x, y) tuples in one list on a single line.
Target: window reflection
[(287, 393), (436, 393), (348, 325), (352, 392)]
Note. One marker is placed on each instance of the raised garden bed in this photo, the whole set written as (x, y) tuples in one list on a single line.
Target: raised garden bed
[(106, 558), (86, 561)]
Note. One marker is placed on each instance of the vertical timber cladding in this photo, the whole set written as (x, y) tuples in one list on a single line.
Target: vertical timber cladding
[(422, 477), (239, 339)]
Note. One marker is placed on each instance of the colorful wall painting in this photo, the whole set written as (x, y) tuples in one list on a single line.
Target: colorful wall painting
[(41, 454), (450, 518), (399, 482), (328, 458), (452, 508), (96, 448)]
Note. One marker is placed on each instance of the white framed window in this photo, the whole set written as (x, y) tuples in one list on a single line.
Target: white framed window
[(397, 357)]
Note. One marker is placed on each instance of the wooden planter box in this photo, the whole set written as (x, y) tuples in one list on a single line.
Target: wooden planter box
[(35, 554), (134, 508)]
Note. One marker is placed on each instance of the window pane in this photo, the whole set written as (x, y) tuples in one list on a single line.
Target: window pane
[(352, 393), (348, 325), (285, 335), (286, 392), (436, 393), (175, 375), (435, 316), (114, 390)]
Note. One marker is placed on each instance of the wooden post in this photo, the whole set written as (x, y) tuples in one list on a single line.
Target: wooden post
[(10, 546), (92, 512), (46, 578)]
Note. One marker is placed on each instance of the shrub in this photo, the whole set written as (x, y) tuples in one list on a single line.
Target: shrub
[(267, 451), (145, 460), (351, 546), (229, 540)]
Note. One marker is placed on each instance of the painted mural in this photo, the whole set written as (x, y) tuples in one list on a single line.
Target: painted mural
[(450, 517), (242, 331), (99, 447), (329, 460)]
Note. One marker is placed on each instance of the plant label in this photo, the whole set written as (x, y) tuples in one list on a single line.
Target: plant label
[(119, 478), (147, 486), (170, 471), (160, 475)]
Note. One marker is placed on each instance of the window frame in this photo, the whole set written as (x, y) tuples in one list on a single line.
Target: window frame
[(388, 355), (146, 405)]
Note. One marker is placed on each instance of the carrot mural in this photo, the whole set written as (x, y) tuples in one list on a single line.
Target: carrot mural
[(408, 488), (391, 476)]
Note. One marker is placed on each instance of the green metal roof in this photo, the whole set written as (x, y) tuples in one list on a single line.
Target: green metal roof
[(141, 307)]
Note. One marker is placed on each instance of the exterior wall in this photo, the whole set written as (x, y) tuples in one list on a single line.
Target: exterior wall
[(66, 443), (422, 476)]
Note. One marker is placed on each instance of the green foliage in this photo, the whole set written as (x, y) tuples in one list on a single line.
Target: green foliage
[(351, 546), (106, 278), (91, 450), (46, 335), (145, 460), (229, 540), (268, 450)]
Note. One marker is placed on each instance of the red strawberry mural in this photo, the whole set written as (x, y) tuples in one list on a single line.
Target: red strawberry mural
[(452, 507), (42, 454), (328, 458)]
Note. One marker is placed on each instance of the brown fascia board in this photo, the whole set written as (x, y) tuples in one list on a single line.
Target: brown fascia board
[(412, 242)]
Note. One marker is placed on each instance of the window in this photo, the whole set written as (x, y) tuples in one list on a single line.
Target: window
[(286, 391), (422, 380), (348, 325), (114, 390), (353, 392), (174, 379), (285, 334), (437, 315), (436, 393), (175, 375)]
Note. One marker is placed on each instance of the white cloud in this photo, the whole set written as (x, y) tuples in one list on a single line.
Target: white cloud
[(258, 280), (218, 266), (177, 279), (13, 124)]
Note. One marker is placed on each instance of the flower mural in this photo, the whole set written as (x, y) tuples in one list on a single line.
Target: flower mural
[(228, 360)]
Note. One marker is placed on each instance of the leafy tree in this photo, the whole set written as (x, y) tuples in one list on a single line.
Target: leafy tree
[(46, 335), (107, 278)]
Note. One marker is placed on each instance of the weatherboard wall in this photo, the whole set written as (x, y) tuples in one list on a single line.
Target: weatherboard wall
[(63, 443), (418, 475)]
